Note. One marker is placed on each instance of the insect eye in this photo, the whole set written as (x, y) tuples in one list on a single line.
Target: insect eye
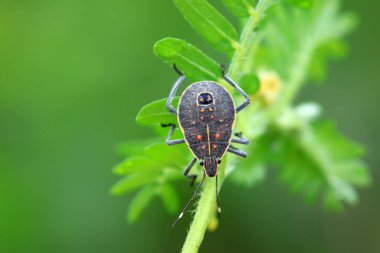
[(205, 98), (219, 161), (201, 163)]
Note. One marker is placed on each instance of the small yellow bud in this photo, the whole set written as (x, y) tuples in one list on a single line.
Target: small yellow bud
[(270, 87), (213, 224)]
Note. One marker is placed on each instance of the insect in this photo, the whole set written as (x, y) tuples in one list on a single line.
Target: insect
[(206, 115)]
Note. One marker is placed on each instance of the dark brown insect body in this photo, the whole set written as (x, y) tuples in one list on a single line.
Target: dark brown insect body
[(206, 114)]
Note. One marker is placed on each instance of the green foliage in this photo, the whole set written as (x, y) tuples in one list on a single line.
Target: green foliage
[(152, 170), (292, 45), (156, 113), (132, 182), (253, 171), (250, 83), (239, 8), (315, 157), (334, 50), (189, 59), (301, 3), (210, 24), (332, 168), (169, 197), (315, 34), (139, 202)]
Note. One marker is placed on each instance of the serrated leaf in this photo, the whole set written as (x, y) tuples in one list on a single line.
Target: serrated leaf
[(239, 8), (288, 49), (132, 182), (344, 148), (191, 61), (137, 164), (140, 202), (163, 153), (156, 113), (318, 158), (250, 83), (330, 50), (169, 198), (210, 24)]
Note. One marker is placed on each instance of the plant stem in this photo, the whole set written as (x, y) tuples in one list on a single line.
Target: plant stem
[(298, 71), (206, 207), (206, 204), (247, 35)]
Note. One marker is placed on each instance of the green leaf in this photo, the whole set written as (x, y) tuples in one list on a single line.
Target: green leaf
[(137, 164), (318, 158), (253, 169), (304, 4), (210, 24), (169, 198), (132, 182), (239, 8), (163, 153), (156, 113), (312, 37), (134, 147), (163, 131), (249, 174), (299, 173), (250, 83), (192, 62), (331, 50), (140, 202)]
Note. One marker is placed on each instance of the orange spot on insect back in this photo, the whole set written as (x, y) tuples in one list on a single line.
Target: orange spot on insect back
[(202, 110), (217, 135), (199, 137), (210, 109)]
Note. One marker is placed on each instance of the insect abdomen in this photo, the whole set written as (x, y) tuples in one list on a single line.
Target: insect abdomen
[(207, 131)]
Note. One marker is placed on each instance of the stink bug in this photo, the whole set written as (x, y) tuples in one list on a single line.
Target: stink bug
[(206, 115)]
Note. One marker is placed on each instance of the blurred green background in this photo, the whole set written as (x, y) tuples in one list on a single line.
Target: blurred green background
[(73, 75)]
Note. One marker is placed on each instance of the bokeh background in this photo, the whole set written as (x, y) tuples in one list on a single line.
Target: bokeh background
[(73, 75)]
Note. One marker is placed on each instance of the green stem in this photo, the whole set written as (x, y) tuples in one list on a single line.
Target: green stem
[(247, 35), (206, 207), (298, 71), (206, 204), (297, 75)]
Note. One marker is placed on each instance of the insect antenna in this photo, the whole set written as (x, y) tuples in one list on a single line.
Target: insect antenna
[(190, 201), (217, 197)]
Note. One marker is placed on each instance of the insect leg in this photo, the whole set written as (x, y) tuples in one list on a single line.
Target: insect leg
[(192, 177), (174, 90), (217, 196), (237, 152), (191, 200), (172, 142), (236, 87), (240, 139)]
